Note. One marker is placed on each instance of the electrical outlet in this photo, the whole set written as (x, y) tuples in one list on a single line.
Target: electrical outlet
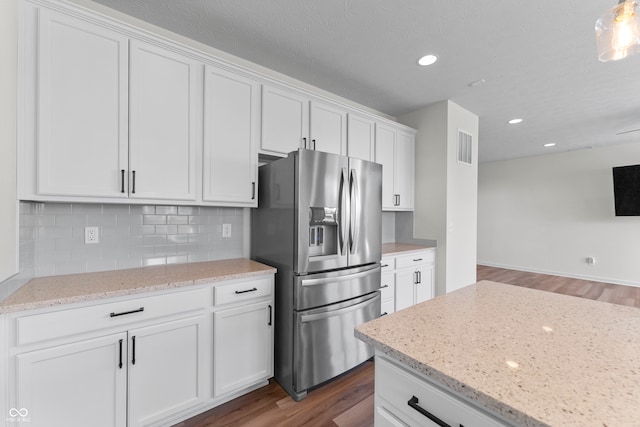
[(91, 235), (226, 230)]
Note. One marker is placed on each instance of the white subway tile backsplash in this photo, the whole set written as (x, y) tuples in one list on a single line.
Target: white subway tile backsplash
[(52, 237)]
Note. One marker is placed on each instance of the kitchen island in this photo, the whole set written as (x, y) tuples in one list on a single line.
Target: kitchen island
[(515, 356)]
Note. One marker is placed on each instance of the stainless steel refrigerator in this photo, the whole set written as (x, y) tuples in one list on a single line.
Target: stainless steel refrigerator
[(319, 223)]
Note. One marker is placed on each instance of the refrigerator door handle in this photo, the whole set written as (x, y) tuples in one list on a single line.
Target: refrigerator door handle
[(343, 213), (354, 225)]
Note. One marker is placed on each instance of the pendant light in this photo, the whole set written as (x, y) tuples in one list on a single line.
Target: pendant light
[(618, 31)]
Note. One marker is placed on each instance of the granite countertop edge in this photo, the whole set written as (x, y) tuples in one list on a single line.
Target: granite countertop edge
[(171, 278), (475, 397)]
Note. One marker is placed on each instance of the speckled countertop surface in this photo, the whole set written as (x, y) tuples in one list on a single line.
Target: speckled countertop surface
[(534, 357), (56, 290), (390, 249)]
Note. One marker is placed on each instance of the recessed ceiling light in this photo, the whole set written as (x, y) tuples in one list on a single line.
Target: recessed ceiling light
[(427, 60), (550, 144), (515, 121)]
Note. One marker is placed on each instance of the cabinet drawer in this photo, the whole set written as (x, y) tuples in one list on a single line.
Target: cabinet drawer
[(387, 264), (40, 327), (416, 258), (387, 307), (387, 286), (241, 291), (398, 387)]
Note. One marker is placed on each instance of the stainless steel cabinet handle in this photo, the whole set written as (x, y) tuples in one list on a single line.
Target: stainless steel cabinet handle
[(413, 402), (253, 191), (248, 290), (304, 142), (112, 314), (122, 181), (419, 277), (133, 179)]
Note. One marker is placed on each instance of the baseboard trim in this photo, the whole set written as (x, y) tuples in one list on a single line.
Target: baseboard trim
[(562, 274)]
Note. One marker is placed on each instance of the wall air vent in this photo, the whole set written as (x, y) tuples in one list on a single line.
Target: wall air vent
[(465, 145)]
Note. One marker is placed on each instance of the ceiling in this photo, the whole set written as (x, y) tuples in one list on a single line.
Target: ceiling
[(537, 59)]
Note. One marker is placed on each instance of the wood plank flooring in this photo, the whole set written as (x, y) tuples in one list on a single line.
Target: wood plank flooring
[(348, 400), (606, 292)]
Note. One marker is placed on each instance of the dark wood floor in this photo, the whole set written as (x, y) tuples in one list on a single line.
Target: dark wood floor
[(348, 400), (606, 292)]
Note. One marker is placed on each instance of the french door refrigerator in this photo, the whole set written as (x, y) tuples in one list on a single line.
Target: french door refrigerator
[(318, 222)]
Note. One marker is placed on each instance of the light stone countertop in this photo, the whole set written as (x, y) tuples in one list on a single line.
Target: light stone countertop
[(57, 290), (534, 357), (390, 249)]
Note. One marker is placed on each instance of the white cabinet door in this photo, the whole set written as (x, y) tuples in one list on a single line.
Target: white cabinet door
[(360, 137), (167, 369), (165, 110), (81, 106), (328, 128), (385, 154), (395, 152), (79, 384), (231, 134), (424, 287), (285, 120), (243, 346), (405, 282), (404, 179)]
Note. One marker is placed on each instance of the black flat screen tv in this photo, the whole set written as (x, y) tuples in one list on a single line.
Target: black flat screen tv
[(626, 190)]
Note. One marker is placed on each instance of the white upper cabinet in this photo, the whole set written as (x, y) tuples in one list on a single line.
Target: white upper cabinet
[(82, 84), (361, 137), (165, 109), (231, 135), (328, 128), (290, 120), (110, 113), (285, 120), (394, 150)]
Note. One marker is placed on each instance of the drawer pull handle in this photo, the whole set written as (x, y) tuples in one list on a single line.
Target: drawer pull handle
[(133, 352), (384, 265), (384, 286), (417, 259), (384, 314), (270, 315), (413, 402), (248, 290), (126, 312), (120, 364)]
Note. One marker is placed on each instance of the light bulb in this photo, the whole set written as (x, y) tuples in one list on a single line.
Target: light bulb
[(625, 30), (618, 31)]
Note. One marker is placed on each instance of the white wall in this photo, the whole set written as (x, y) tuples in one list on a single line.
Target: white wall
[(445, 195), (548, 213), (8, 76), (462, 191)]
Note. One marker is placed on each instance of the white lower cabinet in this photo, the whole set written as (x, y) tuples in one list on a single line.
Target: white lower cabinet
[(404, 397), (243, 346), (166, 365), (77, 384), (145, 361), (412, 276)]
